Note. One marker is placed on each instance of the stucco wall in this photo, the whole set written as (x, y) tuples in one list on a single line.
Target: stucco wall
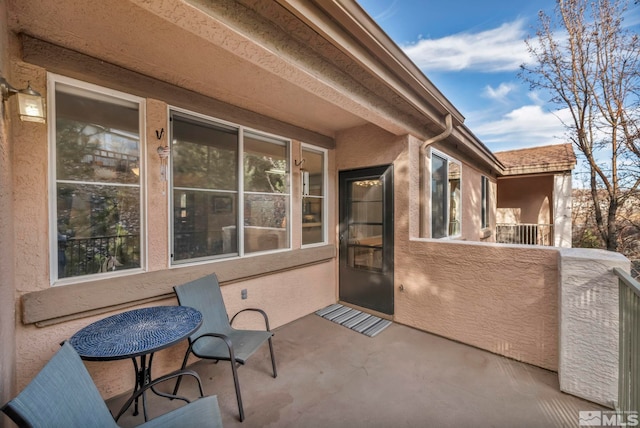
[(368, 145), (496, 297), (285, 295), (502, 298), (7, 285), (525, 200), (562, 218), (589, 327)]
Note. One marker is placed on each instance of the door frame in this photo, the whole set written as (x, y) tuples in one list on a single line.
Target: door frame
[(380, 282)]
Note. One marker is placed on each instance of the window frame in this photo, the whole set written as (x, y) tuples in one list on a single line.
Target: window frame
[(287, 142), (325, 183), (449, 160), (52, 80), (241, 253), (484, 201)]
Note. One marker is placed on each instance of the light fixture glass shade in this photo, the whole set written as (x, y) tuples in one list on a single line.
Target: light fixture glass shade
[(31, 107)]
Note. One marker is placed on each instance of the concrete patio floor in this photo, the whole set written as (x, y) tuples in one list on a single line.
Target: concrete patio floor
[(330, 376)]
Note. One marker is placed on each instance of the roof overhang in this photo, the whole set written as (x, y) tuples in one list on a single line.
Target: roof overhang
[(322, 66), (325, 69)]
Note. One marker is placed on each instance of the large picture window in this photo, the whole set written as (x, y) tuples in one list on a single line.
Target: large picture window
[(218, 211), (313, 195), (446, 196), (96, 168)]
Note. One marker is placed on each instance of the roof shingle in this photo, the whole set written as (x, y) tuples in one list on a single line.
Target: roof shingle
[(553, 158)]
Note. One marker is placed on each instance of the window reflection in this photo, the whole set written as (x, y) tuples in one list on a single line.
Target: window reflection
[(204, 159), (207, 202), (313, 197), (97, 151), (446, 196)]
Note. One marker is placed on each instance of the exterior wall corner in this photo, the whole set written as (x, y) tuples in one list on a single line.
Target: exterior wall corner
[(562, 231), (588, 304)]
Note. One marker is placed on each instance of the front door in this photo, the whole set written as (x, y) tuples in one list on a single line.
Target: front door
[(366, 238)]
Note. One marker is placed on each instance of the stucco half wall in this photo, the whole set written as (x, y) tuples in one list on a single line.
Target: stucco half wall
[(502, 298), (589, 324)]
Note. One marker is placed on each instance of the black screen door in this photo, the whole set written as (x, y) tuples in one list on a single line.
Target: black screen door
[(366, 238)]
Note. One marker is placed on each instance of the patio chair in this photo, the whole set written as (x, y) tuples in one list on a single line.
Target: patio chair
[(63, 395), (216, 339)]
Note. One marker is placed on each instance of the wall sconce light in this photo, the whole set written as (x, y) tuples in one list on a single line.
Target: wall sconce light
[(30, 102)]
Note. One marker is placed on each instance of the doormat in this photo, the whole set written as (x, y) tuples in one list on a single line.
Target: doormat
[(354, 319)]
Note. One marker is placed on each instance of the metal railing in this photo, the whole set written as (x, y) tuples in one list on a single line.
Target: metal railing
[(82, 256), (629, 361), (526, 234)]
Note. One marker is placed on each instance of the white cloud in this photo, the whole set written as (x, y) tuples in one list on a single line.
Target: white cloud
[(498, 49), (500, 93), (526, 126)]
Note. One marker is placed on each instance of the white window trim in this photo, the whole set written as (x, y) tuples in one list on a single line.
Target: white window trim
[(325, 184), (240, 218), (449, 159), (52, 79)]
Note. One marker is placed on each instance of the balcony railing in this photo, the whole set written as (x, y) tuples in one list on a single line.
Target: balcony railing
[(629, 363), (82, 256), (526, 234)]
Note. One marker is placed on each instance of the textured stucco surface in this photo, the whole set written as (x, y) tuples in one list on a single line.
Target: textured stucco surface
[(286, 296), (7, 284), (525, 199), (497, 297), (562, 197), (157, 191), (30, 204), (588, 364), (264, 56)]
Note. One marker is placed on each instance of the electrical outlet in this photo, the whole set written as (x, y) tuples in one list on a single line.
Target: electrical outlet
[(243, 293)]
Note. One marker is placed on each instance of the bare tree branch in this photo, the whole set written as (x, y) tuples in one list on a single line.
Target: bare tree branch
[(589, 64)]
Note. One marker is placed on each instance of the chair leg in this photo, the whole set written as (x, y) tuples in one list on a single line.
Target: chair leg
[(184, 364), (273, 360), (234, 370)]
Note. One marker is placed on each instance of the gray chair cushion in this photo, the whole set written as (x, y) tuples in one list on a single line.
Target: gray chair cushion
[(63, 395), (203, 412)]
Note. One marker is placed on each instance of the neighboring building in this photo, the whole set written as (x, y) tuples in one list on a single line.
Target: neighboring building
[(534, 196), (290, 147)]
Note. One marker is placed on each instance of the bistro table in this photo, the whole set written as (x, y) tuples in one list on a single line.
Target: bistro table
[(137, 334)]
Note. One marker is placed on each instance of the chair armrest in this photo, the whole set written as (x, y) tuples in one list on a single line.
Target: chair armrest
[(215, 335), (227, 341), (264, 314), (153, 383)]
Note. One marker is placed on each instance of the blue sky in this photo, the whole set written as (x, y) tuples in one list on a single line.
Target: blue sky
[(471, 50)]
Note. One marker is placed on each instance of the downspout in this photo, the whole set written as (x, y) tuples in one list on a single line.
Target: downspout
[(423, 176)]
